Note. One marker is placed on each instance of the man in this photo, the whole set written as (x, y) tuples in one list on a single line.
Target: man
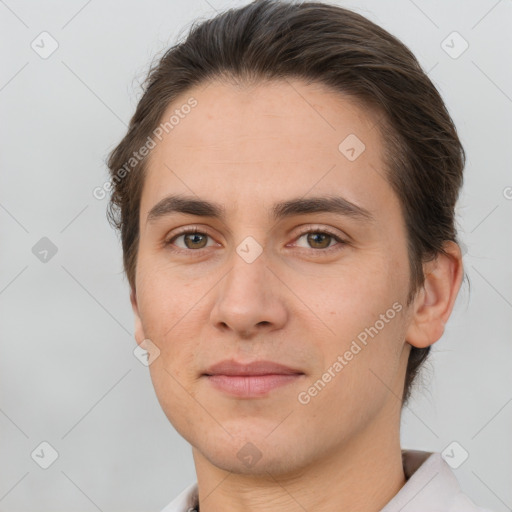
[(285, 195)]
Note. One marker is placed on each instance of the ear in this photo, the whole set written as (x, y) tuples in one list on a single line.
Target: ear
[(434, 302), (139, 331)]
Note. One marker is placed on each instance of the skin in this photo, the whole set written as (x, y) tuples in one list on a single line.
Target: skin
[(297, 303)]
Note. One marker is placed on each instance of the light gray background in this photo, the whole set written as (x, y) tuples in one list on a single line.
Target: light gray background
[(68, 373)]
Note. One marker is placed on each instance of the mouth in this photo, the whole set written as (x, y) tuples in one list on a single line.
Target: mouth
[(251, 380)]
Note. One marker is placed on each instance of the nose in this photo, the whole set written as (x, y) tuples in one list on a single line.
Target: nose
[(249, 299)]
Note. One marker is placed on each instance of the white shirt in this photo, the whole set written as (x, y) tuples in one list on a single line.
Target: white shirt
[(431, 486)]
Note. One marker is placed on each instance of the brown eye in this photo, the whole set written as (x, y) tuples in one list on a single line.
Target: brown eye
[(195, 240), (192, 240), (318, 240)]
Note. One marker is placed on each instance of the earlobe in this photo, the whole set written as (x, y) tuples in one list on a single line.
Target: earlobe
[(139, 331), (434, 303)]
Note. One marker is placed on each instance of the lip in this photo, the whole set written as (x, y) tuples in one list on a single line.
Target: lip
[(251, 380), (232, 367)]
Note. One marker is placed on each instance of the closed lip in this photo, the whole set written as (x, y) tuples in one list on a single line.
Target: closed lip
[(232, 367)]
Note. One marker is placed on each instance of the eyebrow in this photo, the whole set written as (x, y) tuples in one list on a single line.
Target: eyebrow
[(190, 205)]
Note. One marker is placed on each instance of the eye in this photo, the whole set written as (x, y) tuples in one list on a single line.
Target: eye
[(193, 239), (320, 239)]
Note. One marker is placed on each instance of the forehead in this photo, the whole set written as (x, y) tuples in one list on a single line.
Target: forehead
[(268, 141)]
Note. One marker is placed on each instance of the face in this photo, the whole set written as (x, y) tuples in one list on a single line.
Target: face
[(275, 273)]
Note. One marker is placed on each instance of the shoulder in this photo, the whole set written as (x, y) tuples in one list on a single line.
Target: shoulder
[(461, 503)]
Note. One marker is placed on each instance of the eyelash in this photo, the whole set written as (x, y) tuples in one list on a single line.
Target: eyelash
[(196, 231)]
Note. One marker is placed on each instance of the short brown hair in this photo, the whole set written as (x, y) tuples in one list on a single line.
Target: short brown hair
[(329, 45)]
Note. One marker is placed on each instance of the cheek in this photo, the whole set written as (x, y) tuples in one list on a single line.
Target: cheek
[(170, 320), (360, 364), (164, 297), (169, 312), (364, 312), (352, 298), (176, 397)]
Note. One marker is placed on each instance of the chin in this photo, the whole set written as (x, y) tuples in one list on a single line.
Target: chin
[(253, 453), (250, 460)]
